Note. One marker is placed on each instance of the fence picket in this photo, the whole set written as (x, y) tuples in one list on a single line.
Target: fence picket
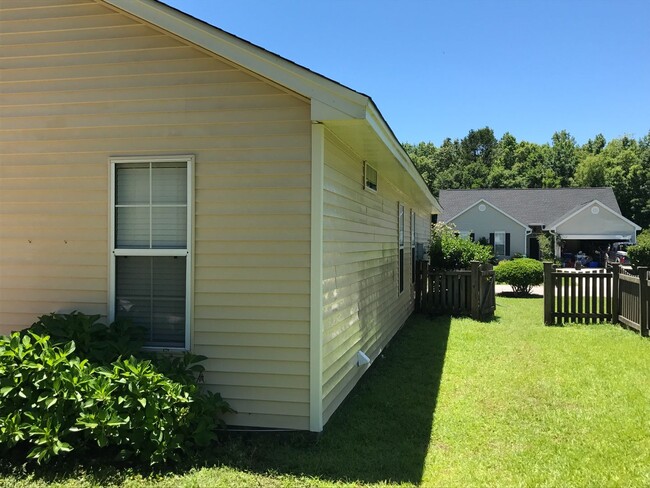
[(463, 292), (580, 318), (592, 296), (574, 310)]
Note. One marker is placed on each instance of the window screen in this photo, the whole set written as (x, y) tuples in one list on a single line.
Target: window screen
[(370, 177)]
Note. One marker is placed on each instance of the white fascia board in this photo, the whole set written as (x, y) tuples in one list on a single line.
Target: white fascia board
[(321, 112), (482, 200), (381, 128), (253, 58), (555, 225)]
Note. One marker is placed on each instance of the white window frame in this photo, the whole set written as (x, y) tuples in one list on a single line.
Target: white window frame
[(365, 177), (465, 234), (187, 252), (501, 233), (400, 252), (413, 247)]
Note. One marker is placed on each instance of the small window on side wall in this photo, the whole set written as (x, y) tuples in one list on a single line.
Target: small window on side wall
[(369, 177)]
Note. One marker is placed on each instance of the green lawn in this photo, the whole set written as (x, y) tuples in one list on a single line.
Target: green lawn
[(454, 403)]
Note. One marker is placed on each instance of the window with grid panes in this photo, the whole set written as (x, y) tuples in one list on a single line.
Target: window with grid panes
[(151, 247)]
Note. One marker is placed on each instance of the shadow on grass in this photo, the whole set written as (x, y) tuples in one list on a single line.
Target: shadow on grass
[(382, 430), (380, 433), (511, 294)]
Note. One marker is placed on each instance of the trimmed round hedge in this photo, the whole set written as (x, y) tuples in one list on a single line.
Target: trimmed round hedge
[(521, 274)]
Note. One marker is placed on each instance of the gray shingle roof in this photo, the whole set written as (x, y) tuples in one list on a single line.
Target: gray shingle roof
[(530, 205)]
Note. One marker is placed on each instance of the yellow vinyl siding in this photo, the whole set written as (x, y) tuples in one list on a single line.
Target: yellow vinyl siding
[(362, 307), (80, 83)]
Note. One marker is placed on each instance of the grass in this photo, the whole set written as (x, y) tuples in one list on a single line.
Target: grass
[(452, 403)]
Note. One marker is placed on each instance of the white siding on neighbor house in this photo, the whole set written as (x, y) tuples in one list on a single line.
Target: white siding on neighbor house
[(81, 82), (362, 307), (489, 221), (587, 223)]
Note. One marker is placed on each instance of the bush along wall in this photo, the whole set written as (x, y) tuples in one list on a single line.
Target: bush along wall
[(447, 250), (56, 397)]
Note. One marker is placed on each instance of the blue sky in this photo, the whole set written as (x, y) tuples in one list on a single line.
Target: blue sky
[(437, 69)]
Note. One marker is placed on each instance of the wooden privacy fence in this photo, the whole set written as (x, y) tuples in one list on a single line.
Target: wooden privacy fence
[(590, 296), (458, 292), (577, 296), (632, 304)]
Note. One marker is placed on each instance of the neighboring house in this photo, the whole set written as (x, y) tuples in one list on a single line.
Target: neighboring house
[(234, 203), (581, 219)]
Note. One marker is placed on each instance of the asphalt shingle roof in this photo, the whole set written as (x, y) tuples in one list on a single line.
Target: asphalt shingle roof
[(530, 205)]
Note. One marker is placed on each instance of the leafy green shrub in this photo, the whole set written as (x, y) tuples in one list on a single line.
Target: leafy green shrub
[(521, 274), (639, 254), (40, 386), (447, 250), (94, 341), (53, 400)]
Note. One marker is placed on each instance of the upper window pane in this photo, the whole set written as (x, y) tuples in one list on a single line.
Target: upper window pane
[(132, 229), (169, 183), (132, 184), (151, 205), (169, 227)]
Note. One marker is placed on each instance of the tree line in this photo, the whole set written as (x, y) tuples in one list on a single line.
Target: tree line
[(480, 160)]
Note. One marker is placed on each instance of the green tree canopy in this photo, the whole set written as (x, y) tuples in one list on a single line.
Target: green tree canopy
[(479, 160)]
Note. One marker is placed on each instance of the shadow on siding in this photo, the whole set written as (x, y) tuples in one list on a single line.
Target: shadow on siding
[(380, 432)]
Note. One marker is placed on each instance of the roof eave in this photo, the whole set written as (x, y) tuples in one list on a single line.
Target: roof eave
[(385, 133)]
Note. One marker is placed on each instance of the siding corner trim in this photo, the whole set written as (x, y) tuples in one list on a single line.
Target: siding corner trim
[(316, 279)]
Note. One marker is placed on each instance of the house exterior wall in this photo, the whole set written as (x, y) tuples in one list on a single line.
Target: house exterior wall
[(491, 220), (81, 83), (362, 306), (587, 223)]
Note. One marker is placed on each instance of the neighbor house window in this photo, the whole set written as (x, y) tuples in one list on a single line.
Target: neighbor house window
[(151, 243), (412, 246), (369, 177), (501, 243), (401, 246)]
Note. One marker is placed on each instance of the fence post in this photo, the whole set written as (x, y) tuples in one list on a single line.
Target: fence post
[(548, 293), (475, 303), (643, 300), (616, 270)]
